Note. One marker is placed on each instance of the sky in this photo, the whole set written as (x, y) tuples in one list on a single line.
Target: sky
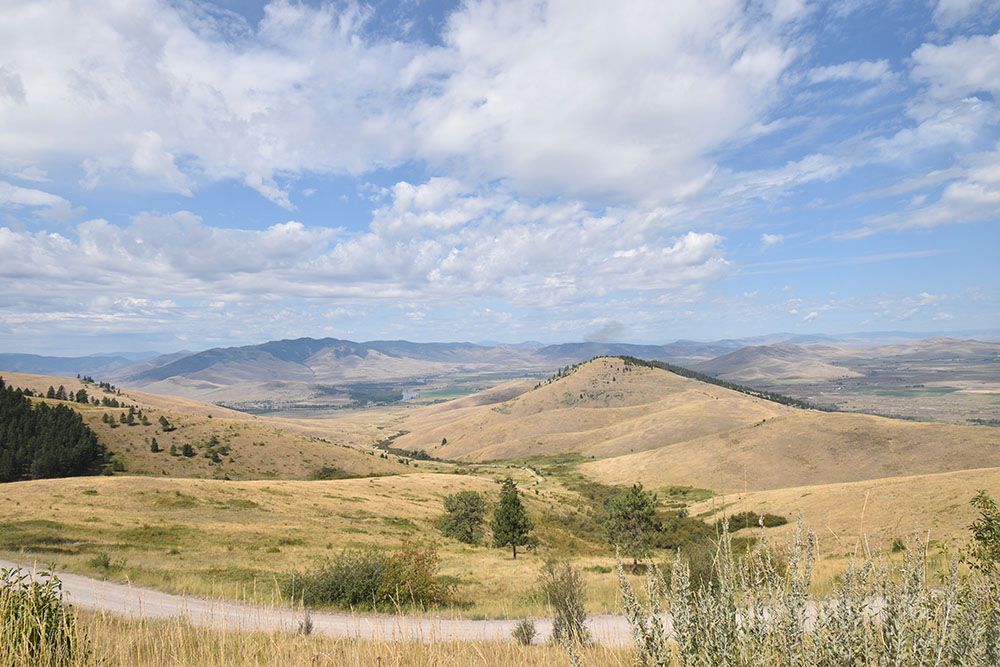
[(189, 174)]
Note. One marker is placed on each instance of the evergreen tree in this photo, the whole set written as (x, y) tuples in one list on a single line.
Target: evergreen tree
[(61, 393), (510, 524), (51, 393), (154, 446), (145, 420), (123, 418), (187, 450), (40, 440), (173, 450), (464, 517), (631, 522), (81, 396)]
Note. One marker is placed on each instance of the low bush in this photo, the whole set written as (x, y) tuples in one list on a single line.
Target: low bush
[(373, 578), (757, 610), (36, 627), (751, 519), (564, 589), (524, 632)]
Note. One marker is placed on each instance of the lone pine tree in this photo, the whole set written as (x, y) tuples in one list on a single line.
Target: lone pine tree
[(510, 524)]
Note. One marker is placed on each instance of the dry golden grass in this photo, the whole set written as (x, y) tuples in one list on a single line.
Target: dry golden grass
[(652, 426), (260, 448), (117, 641), (601, 409), (932, 506), (236, 539), (805, 447)]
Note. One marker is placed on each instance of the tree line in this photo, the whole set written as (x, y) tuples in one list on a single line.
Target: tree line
[(39, 440)]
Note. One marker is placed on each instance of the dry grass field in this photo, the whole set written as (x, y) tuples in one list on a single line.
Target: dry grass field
[(933, 507), (235, 539), (121, 642)]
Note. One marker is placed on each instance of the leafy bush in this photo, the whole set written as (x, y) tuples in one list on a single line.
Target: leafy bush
[(984, 551), (758, 611), (524, 632), (564, 589), (751, 519), (36, 627), (373, 578), (465, 513)]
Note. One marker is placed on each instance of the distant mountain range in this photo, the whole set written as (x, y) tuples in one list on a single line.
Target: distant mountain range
[(302, 368), (42, 365)]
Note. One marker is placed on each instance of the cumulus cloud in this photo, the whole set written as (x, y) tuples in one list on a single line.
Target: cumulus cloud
[(512, 93), (434, 242), (771, 240), (812, 315)]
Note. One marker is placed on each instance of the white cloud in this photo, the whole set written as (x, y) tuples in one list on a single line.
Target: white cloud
[(50, 205), (858, 70), (812, 315), (434, 241), (771, 240), (628, 99), (631, 100), (950, 12)]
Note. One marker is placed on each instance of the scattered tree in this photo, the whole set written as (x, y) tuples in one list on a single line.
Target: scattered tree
[(465, 513), (154, 446), (81, 396), (631, 522), (511, 525)]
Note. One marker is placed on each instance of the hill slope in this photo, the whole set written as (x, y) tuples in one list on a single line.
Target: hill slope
[(254, 448), (652, 426)]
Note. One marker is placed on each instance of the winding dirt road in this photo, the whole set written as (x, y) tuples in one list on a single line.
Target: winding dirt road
[(136, 602)]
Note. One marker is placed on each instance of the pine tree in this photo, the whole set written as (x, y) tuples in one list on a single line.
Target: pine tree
[(631, 522), (51, 393), (61, 393), (154, 446), (510, 524), (81, 396), (123, 418)]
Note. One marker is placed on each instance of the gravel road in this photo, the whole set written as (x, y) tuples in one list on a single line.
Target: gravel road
[(133, 601)]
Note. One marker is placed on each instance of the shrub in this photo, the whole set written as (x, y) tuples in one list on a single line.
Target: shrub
[(564, 590), (102, 561), (36, 627), (465, 513), (742, 520), (373, 578), (758, 611), (984, 552), (524, 632)]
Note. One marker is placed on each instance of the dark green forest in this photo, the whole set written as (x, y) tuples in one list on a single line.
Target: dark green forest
[(39, 441)]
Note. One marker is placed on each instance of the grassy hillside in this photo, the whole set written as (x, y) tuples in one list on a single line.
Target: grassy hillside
[(652, 426), (603, 408), (805, 447), (249, 447), (934, 506)]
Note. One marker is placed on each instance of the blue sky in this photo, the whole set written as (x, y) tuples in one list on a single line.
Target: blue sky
[(179, 175)]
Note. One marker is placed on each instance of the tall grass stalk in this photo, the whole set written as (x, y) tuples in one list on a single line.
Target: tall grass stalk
[(36, 627)]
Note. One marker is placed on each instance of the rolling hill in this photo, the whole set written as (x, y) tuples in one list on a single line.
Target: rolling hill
[(248, 447), (649, 425), (778, 362)]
